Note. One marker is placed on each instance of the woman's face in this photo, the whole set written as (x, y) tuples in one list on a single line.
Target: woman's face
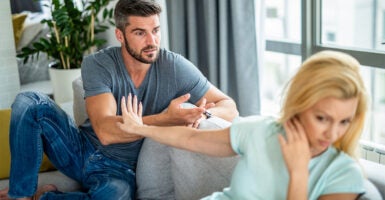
[(327, 121)]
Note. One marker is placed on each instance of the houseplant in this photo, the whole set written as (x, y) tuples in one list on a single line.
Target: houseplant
[(73, 30)]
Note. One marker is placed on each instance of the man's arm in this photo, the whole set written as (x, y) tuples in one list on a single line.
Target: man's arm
[(215, 101), (219, 104), (101, 110)]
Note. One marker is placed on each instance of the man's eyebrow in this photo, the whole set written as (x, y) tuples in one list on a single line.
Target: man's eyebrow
[(137, 29), (141, 29)]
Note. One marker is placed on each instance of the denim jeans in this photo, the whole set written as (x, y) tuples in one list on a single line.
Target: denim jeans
[(37, 125)]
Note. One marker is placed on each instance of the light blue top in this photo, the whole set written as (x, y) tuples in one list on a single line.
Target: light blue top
[(261, 172), (169, 77)]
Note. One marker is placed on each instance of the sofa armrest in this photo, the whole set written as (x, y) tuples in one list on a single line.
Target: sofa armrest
[(79, 105), (376, 175)]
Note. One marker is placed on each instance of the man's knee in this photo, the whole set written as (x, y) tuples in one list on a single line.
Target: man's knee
[(115, 189)]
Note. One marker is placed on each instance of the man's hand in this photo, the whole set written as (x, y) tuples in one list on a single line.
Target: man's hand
[(205, 106), (177, 115)]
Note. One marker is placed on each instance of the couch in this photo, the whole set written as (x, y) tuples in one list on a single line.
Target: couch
[(187, 175)]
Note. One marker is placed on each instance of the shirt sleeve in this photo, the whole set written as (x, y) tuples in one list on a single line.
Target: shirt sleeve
[(244, 130), (347, 178), (189, 79), (96, 79)]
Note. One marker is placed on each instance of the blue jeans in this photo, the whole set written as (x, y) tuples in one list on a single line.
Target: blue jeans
[(37, 125)]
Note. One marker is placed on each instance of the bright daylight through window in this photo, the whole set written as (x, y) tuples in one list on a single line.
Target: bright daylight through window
[(356, 27)]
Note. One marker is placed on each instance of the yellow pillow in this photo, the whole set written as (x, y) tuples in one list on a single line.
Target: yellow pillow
[(5, 157), (18, 22)]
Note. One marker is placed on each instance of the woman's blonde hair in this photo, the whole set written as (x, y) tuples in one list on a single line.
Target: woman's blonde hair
[(328, 74)]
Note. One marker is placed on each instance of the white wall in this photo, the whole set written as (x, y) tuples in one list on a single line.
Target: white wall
[(9, 74)]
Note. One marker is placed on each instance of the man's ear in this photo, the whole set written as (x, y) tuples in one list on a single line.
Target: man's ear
[(119, 35)]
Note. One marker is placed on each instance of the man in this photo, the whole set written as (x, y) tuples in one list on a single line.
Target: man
[(98, 154)]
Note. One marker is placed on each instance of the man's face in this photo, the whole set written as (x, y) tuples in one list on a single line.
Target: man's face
[(142, 38)]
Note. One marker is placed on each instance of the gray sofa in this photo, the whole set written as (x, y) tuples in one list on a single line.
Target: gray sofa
[(187, 175)]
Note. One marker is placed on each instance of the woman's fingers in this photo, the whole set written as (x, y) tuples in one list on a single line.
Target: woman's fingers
[(131, 105), (123, 106), (135, 104), (140, 110)]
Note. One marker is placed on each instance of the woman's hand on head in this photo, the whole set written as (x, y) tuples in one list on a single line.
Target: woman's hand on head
[(131, 114), (295, 148)]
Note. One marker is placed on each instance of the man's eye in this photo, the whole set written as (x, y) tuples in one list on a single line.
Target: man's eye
[(139, 33)]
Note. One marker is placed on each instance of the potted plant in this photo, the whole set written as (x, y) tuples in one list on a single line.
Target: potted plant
[(72, 34)]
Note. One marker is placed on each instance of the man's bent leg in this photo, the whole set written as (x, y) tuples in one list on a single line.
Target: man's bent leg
[(37, 123), (109, 179)]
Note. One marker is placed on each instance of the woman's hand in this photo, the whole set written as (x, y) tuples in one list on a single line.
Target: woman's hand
[(295, 148), (131, 114), (296, 153)]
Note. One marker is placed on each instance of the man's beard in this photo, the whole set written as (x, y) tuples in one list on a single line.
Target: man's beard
[(138, 56)]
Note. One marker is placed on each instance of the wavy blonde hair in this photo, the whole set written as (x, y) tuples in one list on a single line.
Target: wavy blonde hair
[(328, 74)]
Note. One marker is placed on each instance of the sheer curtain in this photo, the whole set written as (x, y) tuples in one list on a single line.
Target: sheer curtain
[(219, 36)]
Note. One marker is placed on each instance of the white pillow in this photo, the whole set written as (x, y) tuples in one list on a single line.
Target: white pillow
[(32, 28)]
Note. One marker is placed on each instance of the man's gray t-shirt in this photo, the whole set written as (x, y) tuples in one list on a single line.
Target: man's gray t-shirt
[(169, 77)]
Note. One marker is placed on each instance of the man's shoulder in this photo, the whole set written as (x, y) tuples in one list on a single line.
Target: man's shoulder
[(103, 57), (103, 54), (168, 56)]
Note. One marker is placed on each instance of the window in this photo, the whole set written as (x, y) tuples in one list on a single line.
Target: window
[(298, 29)]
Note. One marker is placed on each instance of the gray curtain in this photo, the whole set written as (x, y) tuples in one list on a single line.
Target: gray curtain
[(18, 6), (219, 37)]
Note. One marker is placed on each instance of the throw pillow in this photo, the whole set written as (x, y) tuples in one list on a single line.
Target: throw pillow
[(18, 22), (5, 156)]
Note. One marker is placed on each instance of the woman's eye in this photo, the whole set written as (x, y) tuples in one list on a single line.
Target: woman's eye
[(345, 122), (320, 118)]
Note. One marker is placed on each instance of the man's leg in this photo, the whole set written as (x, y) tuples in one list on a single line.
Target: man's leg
[(109, 179), (38, 124)]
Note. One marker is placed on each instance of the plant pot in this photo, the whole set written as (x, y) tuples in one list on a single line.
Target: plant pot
[(61, 80)]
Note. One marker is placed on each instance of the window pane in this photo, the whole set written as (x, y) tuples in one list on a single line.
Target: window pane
[(358, 23), (283, 20), (375, 84), (278, 68)]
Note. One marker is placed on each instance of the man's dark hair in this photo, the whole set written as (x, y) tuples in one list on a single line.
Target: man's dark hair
[(141, 8)]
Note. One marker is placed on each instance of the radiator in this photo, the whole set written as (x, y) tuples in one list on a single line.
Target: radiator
[(372, 152)]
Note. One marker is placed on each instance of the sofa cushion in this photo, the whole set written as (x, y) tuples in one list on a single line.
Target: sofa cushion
[(371, 192), (18, 22), (5, 156), (179, 174)]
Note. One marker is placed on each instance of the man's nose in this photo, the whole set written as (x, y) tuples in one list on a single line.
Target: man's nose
[(151, 38)]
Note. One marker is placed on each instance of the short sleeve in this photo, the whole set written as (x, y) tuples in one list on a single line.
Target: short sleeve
[(246, 129), (190, 79), (347, 178), (96, 79)]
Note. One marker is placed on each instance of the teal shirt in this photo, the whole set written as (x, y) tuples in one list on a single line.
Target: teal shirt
[(261, 172)]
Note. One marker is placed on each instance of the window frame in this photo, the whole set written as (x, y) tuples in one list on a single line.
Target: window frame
[(311, 32)]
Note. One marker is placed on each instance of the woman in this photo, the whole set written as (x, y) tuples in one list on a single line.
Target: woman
[(306, 154)]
